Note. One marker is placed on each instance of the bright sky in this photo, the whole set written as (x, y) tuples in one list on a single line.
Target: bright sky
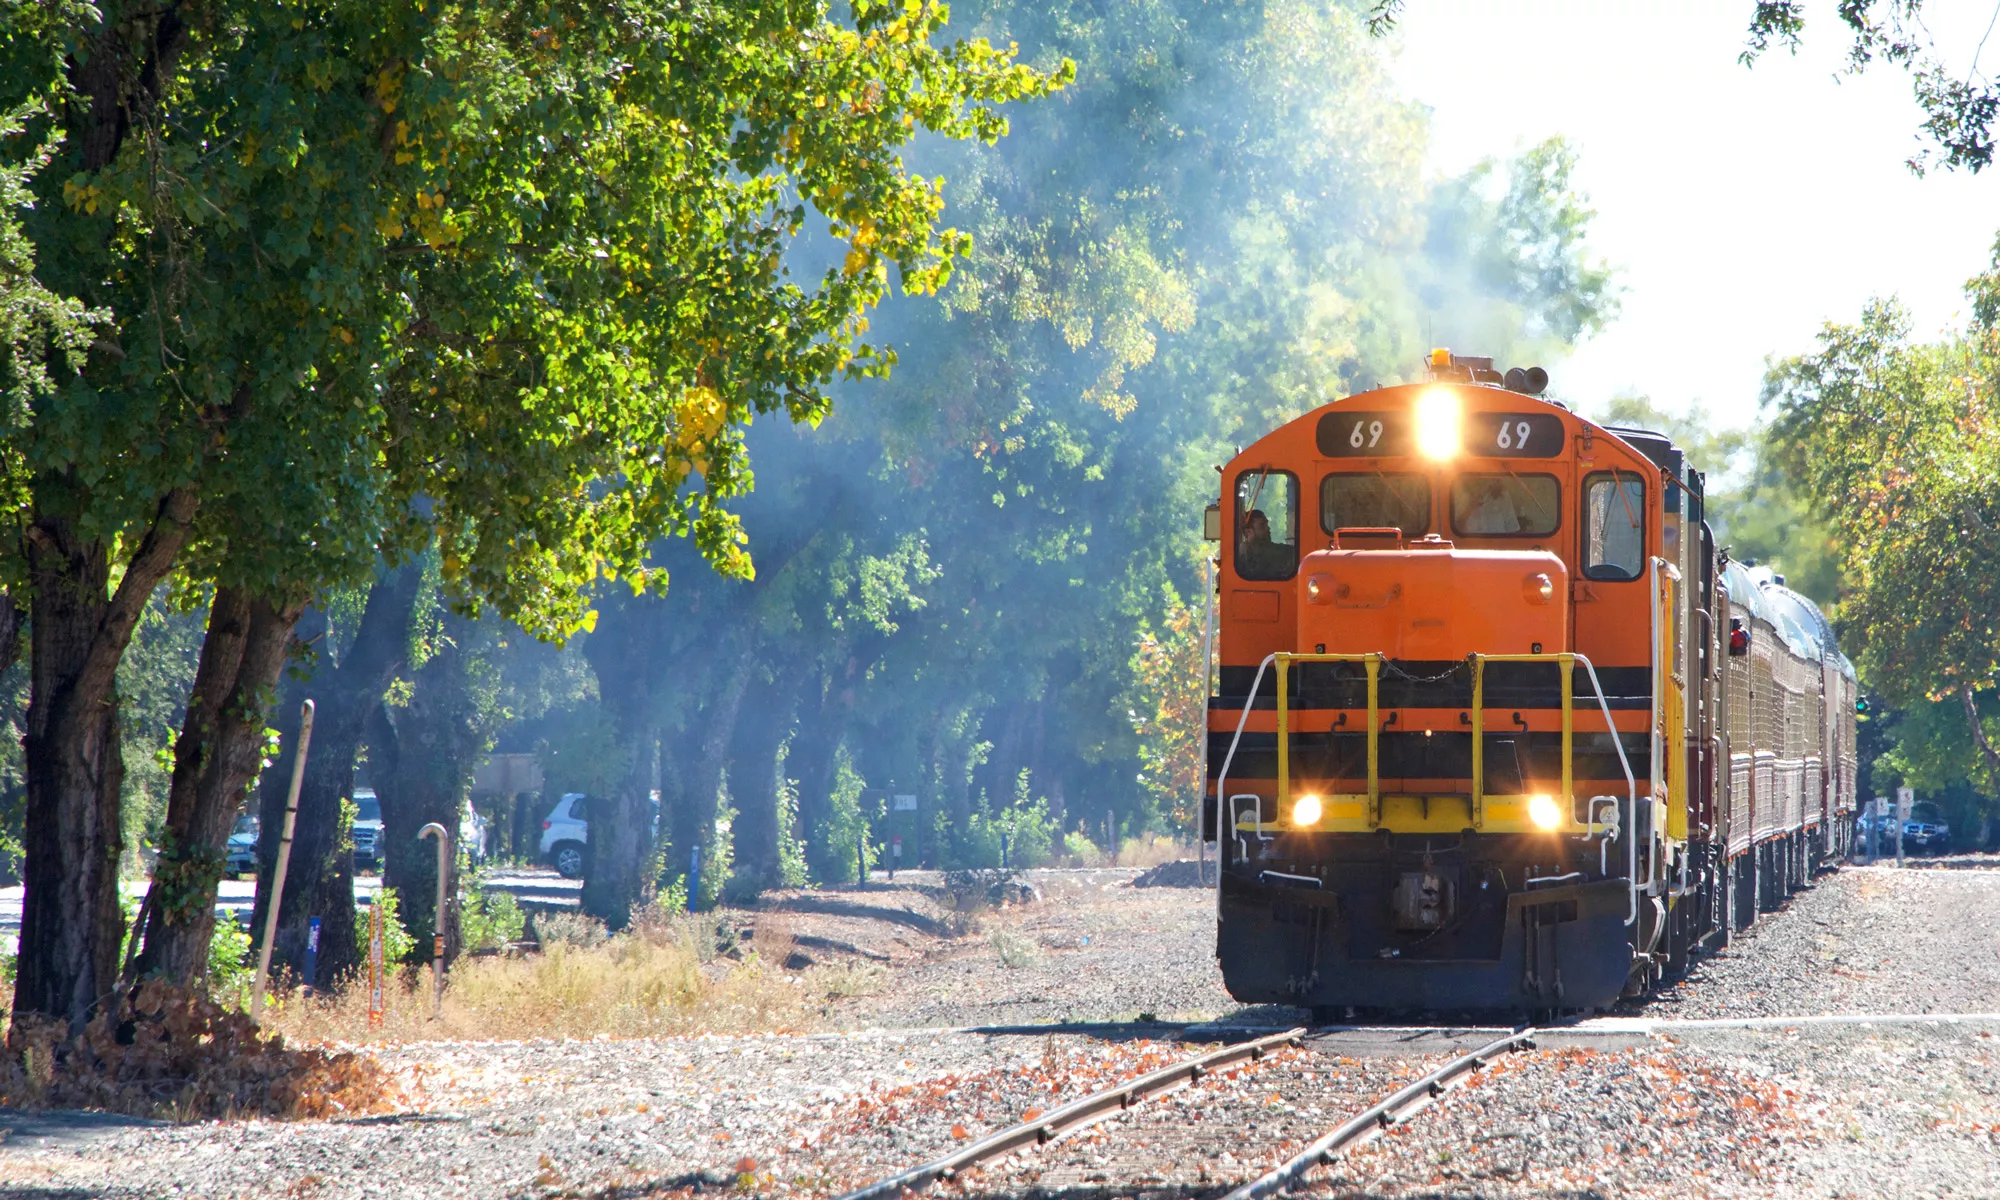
[(1742, 207)]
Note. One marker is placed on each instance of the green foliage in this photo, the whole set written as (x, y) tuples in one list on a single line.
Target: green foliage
[(1018, 836), (38, 328), (1222, 223), (1081, 850), (231, 968), (488, 919), (398, 945), (153, 682), (843, 832), (1959, 107), (672, 900), (791, 842), (1898, 443), (583, 755), (1502, 250)]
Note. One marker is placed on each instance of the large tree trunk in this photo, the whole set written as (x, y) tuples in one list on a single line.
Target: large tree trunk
[(319, 879), (760, 823), (422, 756), (71, 926), (693, 823), (216, 758), (815, 749), (621, 652)]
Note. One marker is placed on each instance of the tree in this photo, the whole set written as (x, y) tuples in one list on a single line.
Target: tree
[(1222, 224), (418, 298), (1898, 442)]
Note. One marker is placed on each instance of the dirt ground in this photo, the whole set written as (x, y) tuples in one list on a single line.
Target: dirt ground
[(957, 1025)]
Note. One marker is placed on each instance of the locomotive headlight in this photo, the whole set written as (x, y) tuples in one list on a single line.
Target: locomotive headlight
[(1437, 423), (1543, 812), (1306, 811)]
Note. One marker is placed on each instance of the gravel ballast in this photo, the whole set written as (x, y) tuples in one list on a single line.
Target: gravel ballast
[(1694, 1109)]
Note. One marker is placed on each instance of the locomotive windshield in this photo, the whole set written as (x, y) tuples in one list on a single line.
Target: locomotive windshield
[(1267, 533), (1614, 515), (1506, 505), (1375, 501)]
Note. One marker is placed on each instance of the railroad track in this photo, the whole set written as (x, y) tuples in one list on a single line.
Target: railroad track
[(1392, 1110)]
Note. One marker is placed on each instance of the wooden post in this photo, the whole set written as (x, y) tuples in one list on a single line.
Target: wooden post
[(284, 860)]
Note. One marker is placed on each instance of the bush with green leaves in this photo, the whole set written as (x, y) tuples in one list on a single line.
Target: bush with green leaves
[(398, 946), (231, 968), (489, 920)]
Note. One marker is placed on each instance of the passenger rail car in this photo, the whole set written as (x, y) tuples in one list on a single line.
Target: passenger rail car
[(1497, 727)]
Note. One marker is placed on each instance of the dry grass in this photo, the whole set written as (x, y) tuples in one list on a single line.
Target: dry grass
[(174, 1054), (660, 978), (1151, 851)]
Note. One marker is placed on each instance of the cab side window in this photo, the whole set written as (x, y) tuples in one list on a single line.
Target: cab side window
[(1614, 526), (1267, 524)]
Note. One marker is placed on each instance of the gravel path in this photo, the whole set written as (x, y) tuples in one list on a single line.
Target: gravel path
[(1702, 1111), (1861, 940)]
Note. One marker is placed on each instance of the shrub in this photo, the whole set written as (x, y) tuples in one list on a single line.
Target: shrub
[(397, 944), (1013, 950), (231, 971), (490, 920), (569, 929), (1081, 850)]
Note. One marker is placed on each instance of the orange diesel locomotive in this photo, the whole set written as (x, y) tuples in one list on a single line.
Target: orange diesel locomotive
[(1497, 728)]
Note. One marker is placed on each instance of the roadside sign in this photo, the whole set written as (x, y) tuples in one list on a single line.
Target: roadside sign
[(375, 962), (905, 803)]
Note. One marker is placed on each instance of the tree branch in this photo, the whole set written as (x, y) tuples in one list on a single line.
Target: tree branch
[(1979, 731), (143, 573)]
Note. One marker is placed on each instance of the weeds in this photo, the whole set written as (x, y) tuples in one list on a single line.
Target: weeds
[(569, 929), (1150, 851), (1014, 950), (663, 976)]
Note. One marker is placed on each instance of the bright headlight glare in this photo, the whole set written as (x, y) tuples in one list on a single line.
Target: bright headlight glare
[(1306, 811), (1543, 812), (1437, 423)]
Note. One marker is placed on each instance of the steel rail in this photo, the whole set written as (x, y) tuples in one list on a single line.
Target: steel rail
[(1397, 1108), (1056, 1122)]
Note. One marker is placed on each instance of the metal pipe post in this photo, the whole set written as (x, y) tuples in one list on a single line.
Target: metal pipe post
[(284, 860), (437, 917)]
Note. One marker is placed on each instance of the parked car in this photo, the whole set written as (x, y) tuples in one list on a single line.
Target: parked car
[(367, 828), (242, 851), (1926, 832), (566, 835)]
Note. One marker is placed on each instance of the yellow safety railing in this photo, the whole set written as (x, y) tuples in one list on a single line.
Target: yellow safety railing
[(1372, 813), (1566, 664), (1284, 663)]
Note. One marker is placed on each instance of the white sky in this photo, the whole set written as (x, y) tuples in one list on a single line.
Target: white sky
[(1742, 207)]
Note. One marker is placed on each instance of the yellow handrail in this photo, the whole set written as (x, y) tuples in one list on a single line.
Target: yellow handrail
[(1283, 660), (1567, 663)]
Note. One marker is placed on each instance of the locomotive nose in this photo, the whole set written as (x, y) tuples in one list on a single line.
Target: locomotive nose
[(1433, 602)]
